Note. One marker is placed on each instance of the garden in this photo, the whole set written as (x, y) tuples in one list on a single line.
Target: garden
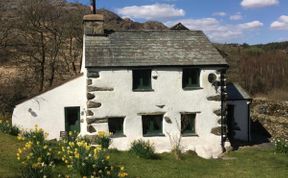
[(28, 154)]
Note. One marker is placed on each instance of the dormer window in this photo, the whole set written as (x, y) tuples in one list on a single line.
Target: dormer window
[(142, 80), (190, 78)]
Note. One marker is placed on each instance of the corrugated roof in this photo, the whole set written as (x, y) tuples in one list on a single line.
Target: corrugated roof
[(151, 48), (236, 92)]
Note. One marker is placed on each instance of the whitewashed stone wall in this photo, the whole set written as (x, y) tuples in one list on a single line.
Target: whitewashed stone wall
[(47, 109), (109, 94)]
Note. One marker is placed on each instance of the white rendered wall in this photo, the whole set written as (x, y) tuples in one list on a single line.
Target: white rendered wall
[(241, 118), (47, 109), (122, 101)]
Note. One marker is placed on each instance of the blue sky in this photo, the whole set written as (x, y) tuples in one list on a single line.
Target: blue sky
[(225, 21)]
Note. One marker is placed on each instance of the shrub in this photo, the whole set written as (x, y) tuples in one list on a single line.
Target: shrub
[(36, 156), (7, 128), (143, 149), (281, 145), (88, 160), (102, 138)]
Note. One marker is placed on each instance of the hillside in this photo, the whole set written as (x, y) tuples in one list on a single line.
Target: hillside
[(26, 70)]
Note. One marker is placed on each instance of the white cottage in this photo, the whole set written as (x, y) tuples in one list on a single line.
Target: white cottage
[(161, 86)]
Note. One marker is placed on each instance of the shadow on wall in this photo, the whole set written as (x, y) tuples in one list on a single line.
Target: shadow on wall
[(258, 135)]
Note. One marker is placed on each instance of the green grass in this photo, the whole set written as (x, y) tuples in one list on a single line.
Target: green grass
[(9, 165), (246, 162)]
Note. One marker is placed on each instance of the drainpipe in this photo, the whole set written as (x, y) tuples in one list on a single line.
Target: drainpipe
[(223, 108)]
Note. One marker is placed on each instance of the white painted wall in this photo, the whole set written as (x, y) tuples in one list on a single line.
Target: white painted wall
[(167, 91), (47, 109), (241, 118)]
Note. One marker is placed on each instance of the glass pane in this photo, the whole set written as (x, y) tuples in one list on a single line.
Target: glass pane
[(188, 123), (142, 79), (152, 124), (191, 77), (116, 125)]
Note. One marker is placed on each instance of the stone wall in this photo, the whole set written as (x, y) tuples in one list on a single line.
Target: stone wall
[(273, 115), (110, 94)]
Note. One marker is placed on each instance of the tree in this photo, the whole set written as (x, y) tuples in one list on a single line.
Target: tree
[(40, 29)]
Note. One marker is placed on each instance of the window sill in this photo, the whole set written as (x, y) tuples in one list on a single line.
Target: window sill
[(154, 135), (143, 90), (192, 88), (189, 135), (118, 135)]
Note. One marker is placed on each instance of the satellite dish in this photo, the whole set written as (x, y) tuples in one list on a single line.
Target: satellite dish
[(212, 77)]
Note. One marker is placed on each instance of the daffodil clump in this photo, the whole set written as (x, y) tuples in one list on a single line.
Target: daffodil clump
[(36, 155), (88, 160), (7, 128), (281, 145), (103, 139)]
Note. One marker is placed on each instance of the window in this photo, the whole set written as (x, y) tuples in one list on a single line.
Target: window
[(72, 119), (188, 124), (116, 126), (190, 78), (152, 125), (142, 80)]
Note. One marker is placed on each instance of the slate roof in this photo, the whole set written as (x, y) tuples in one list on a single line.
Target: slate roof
[(236, 92), (151, 48)]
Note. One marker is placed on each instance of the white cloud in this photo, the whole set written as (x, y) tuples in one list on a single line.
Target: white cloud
[(216, 30), (212, 27), (281, 23), (251, 25), (151, 12), (221, 14), (237, 16), (258, 3)]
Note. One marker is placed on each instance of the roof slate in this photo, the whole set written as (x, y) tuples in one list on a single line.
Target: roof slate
[(151, 48)]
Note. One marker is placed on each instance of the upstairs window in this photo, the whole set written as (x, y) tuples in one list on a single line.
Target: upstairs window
[(188, 124), (142, 80), (152, 125), (115, 125), (190, 78)]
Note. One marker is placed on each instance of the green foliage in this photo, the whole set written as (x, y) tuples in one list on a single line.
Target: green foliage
[(7, 128), (36, 155), (79, 155), (281, 145), (102, 139), (143, 149)]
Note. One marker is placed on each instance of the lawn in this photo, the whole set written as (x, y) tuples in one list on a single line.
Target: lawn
[(246, 162)]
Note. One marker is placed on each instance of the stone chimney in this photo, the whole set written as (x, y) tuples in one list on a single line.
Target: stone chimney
[(94, 25)]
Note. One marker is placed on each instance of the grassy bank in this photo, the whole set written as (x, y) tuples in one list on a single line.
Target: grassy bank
[(246, 162)]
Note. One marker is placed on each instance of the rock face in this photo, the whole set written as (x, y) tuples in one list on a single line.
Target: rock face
[(272, 115)]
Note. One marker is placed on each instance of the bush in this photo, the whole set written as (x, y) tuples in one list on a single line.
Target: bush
[(281, 145), (143, 149), (7, 128), (103, 139), (88, 161), (36, 156)]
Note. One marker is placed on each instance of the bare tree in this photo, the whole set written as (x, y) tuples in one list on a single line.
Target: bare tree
[(40, 29)]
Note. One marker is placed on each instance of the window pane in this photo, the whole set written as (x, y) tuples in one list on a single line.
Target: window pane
[(188, 123), (116, 125), (152, 124), (190, 77), (142, 79)]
